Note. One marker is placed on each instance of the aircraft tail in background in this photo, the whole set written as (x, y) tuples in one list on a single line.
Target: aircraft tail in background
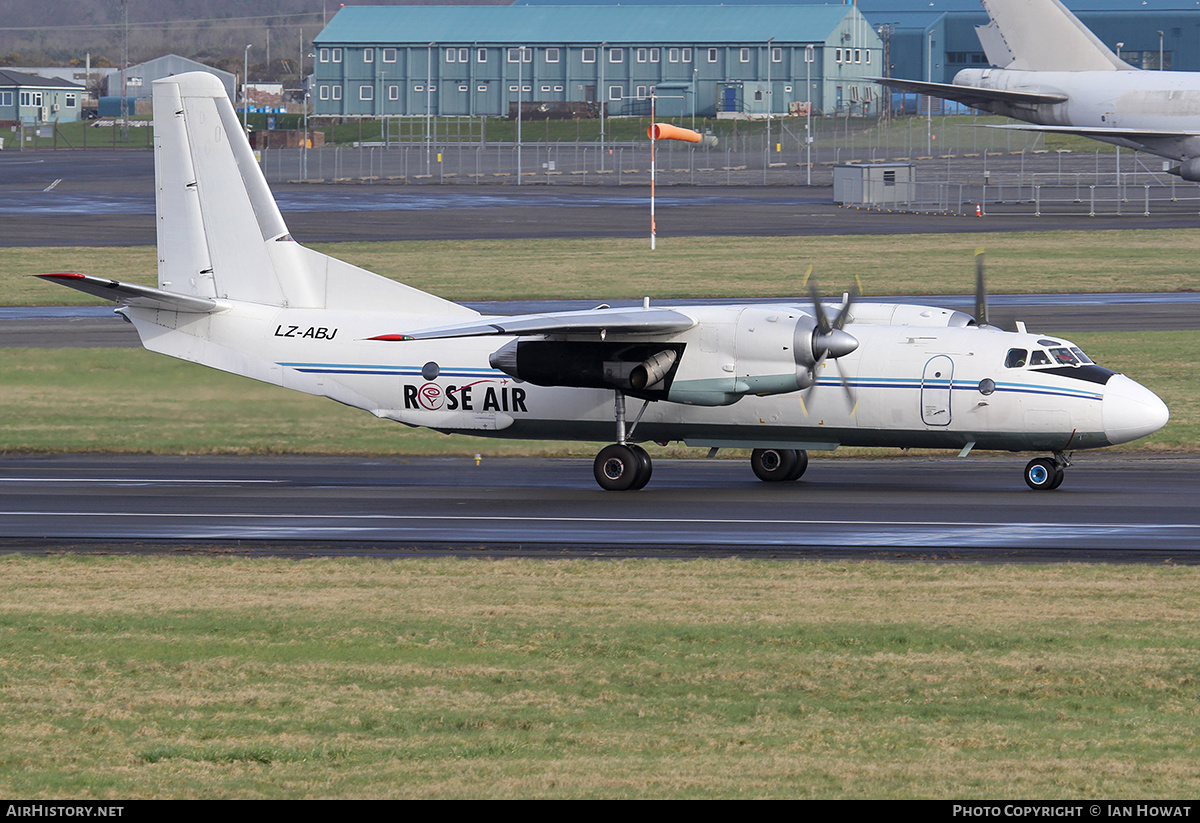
[(1042, 35)]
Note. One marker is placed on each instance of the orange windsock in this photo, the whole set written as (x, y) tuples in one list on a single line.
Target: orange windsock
[(665, 131)]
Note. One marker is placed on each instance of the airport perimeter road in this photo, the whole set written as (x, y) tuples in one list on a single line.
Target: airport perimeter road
[(1111, 508), (106, 198)]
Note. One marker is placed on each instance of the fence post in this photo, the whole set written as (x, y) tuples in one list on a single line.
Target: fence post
[(1092, 208)]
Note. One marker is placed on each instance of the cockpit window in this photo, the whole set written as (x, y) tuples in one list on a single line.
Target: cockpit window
[(1083, 358), (1063, 357), (1017, 358), (1039, 358)]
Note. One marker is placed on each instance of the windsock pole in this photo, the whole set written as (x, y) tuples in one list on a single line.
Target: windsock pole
[(667, 132), (653, 140)]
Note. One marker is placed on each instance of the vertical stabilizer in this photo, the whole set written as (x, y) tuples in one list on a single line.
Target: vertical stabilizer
[(220, 233), (1043, 35)]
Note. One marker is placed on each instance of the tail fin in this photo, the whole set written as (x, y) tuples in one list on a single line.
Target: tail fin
[(220, 233), (1043, 35)]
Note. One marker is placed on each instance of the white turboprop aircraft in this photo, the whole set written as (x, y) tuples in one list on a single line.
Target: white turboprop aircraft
[(1057, 76), (238, 294)]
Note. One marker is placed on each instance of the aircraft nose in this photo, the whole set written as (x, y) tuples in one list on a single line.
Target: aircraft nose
[(1130, 410)]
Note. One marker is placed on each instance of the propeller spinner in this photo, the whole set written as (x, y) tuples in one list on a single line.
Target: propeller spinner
[(829, 340)]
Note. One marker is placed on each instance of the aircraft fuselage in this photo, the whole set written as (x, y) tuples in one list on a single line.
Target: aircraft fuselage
[(1153, 102), (932, 386)]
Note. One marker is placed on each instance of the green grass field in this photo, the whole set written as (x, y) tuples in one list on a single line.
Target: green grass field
[(194, 676), (111, 400), (191, 677), (611, 268)]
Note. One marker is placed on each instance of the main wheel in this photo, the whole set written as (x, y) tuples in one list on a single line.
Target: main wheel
[(1041, 474), (774, 465), (801, 464), (645, 467), (621, 468)]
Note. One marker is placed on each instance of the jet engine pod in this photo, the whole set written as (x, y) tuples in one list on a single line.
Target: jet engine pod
[(652, 371), (1188, 170)]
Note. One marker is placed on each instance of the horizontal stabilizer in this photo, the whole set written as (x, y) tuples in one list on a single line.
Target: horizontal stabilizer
[(609, 321), (971, 96), (129, 294)]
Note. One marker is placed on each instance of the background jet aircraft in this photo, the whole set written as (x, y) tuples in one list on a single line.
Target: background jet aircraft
[(1057, 76), (237, 293)]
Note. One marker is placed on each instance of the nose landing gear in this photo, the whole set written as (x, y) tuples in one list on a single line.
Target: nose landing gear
[(1046, 474)]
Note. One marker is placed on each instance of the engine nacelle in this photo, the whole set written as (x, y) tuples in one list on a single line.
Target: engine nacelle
[(1188, 170), (653, 370)]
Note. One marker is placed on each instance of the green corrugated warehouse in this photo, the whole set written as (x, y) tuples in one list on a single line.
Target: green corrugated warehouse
[(706, 60)]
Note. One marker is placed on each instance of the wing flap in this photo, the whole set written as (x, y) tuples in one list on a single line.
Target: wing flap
[(593, 321), (130, 294)]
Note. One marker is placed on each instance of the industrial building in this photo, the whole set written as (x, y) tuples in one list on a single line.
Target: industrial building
[(28, 98), (723, 61)]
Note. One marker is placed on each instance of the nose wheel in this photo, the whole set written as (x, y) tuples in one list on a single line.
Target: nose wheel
[(1045, 473)]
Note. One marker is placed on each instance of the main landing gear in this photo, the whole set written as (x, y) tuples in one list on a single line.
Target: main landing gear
[(1046, 474), (623, 466), (778, 465)]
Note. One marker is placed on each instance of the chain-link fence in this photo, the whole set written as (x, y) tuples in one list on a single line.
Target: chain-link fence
[(962, 165)]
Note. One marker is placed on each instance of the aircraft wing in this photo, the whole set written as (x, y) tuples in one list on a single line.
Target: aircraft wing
[(608, 321), (130, 294), (1100, 132), (971, 96)]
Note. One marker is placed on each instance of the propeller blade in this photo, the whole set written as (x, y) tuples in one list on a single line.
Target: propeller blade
[(981, 307), (823, 326), (851, 400), (847, 300)]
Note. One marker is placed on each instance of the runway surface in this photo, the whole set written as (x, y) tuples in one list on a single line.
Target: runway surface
[(1111, 508)]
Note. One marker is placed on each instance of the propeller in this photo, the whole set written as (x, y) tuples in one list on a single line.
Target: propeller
[(829, 340)]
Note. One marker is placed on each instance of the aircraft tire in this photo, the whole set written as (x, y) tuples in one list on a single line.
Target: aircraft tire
[(775, 465), (1041, 474), (801, 465), (619, 468), (645, 467)]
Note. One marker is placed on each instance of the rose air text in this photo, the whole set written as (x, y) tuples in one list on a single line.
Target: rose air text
[(237, 293)]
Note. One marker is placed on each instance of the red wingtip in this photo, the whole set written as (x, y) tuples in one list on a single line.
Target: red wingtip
[(62, 276), (390, 337)]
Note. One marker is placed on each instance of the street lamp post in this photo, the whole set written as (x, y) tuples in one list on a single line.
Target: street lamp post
[(428, 104), (603, 95), (245, 90), (809, 57), (769, 107), (929, 101), (520, 85)]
